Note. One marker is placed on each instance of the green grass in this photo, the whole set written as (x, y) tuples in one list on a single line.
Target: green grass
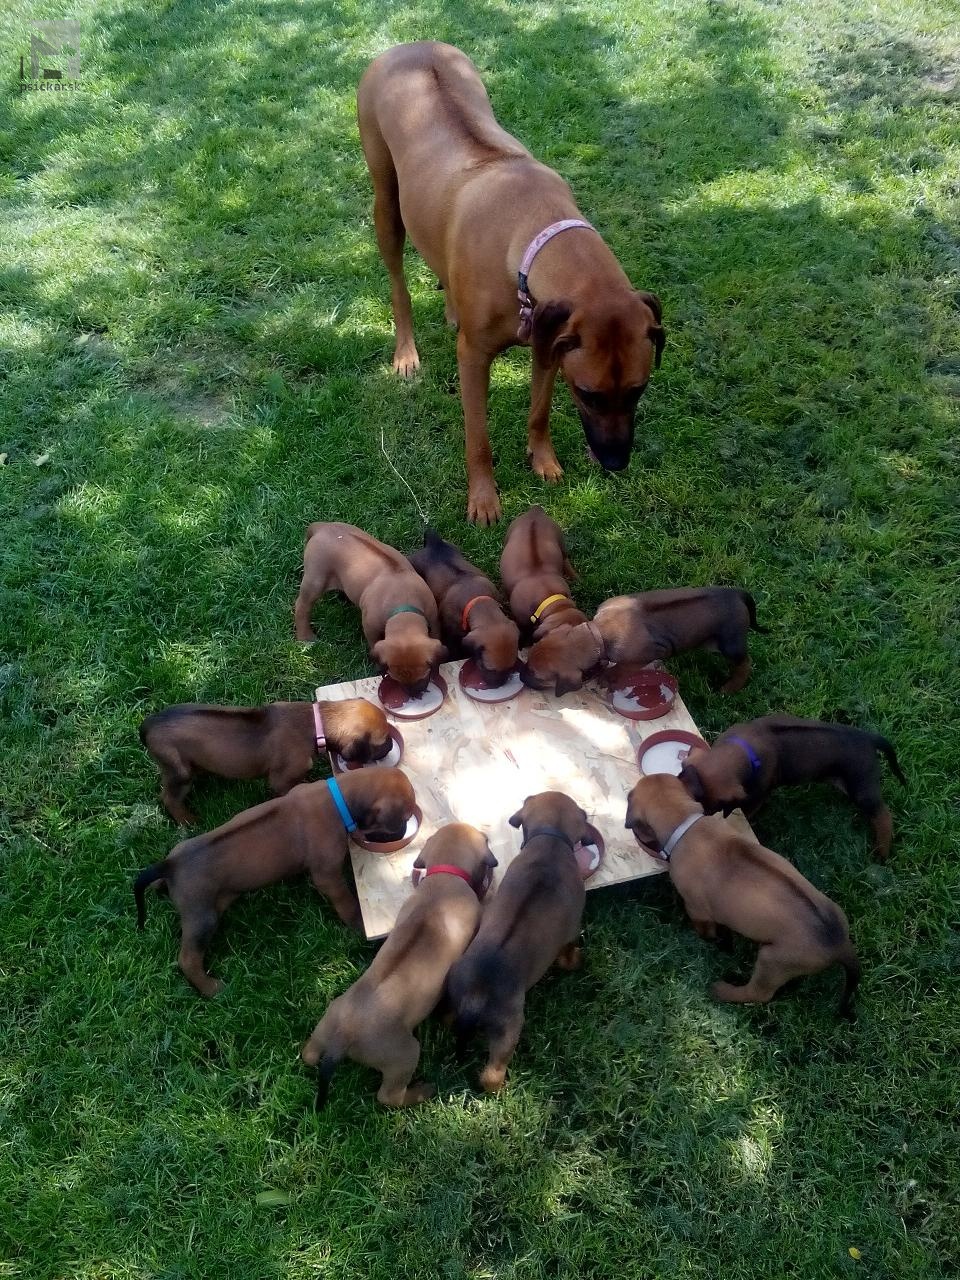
[(194, 333)]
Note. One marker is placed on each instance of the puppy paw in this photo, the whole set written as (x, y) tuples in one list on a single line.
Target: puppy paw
[(417, 1093), (492, 1079), (483, 505)]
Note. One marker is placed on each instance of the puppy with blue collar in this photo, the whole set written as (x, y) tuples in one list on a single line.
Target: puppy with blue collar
[(305, 830), (726, 879)]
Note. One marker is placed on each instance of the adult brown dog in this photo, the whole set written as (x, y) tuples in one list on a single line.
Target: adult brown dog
[(730, 880), (532, 921), (302, 831), (658, 624), (534, 568), (471, 617), (473, 201), (747, 761), (279, 742), (399, 612), (373, 1022)]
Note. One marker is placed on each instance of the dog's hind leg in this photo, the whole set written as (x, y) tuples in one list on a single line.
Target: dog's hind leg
[(397, 1057), (176, 783), (198, 927), (772, 969), (333, 886), (503, 1045), (865, 794), (391, 235)]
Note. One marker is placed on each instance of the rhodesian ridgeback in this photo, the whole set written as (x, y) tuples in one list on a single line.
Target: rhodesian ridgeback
[(532, 922), (747, 761), (534, 568), (729, 880), (373, 1022), (399, 613), (279, 742), (471, 617), (516, 260), (304, 831)]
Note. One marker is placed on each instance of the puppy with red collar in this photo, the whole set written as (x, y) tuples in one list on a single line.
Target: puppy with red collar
[(534, 568), (727, 879), (471, 617), (373, 1022)]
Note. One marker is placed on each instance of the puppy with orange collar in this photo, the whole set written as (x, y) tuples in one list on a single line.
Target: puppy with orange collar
[(532, 922), (279, 742), (399, 613), (304, 831), (471, 617), (373, 1022), (726, 879), (534, 568)]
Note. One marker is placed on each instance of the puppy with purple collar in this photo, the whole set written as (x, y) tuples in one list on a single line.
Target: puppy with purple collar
[(373, 1022)]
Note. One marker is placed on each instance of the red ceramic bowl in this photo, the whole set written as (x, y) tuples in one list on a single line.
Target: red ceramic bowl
[(590, 855), (656, 751), (393, 757), (395, 698), (641, 694), (391, 846), (471, 682)]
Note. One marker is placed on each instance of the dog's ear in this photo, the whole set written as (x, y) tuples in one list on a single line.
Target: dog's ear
[(440, 653), (418, 862), (550, 344), (381, 653), (517, 819), (693, 782), (653, 302)]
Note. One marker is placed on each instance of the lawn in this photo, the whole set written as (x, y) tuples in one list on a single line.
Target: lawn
[(195, 348)]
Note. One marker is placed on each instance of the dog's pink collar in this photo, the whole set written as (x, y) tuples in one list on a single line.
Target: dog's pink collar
[(448, 869), (319, 734), (526, 262)]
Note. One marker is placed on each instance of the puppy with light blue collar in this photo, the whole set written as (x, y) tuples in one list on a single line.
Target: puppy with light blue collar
[(727, 879)]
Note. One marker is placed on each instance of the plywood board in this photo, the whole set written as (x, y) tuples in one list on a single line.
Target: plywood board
[(475, 762)]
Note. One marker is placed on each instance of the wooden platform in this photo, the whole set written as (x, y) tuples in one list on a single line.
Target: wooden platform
[(472, 762)]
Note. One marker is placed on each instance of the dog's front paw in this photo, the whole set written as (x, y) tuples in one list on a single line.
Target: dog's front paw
[(545, 465), (406, 361), (492, 1079), (483, 505)]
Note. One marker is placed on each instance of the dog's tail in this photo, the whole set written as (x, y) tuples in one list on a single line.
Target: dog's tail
[(751, 604), (851, 968), (325, 1069), (143, 880), (881, 744)]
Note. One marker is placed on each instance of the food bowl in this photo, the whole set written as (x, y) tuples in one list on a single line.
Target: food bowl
[(643, 693), (589, 854), (396, 699), (471, 682), (665, 752), (393, 756), (391, 846)]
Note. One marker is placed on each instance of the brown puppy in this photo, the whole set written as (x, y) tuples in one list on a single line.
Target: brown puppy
[(279, 742), (728, 879), (658, 624), (399, 612), (301, 831), (747, 761), (474, 202), (532, 921), (534, 568), (373, 1022), (471, 617)]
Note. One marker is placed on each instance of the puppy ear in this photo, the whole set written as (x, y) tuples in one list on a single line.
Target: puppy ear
[(653, 302), (489, 860), (517, 819), (549, 343), (419, 863), (658, 337), (440, 653), (693, 782), (381, 653), (631, 813)]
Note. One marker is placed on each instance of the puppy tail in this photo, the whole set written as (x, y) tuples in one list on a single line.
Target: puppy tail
[(751, 604), (851, 968), (325, 1069), (143, 880), (881, 744)]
